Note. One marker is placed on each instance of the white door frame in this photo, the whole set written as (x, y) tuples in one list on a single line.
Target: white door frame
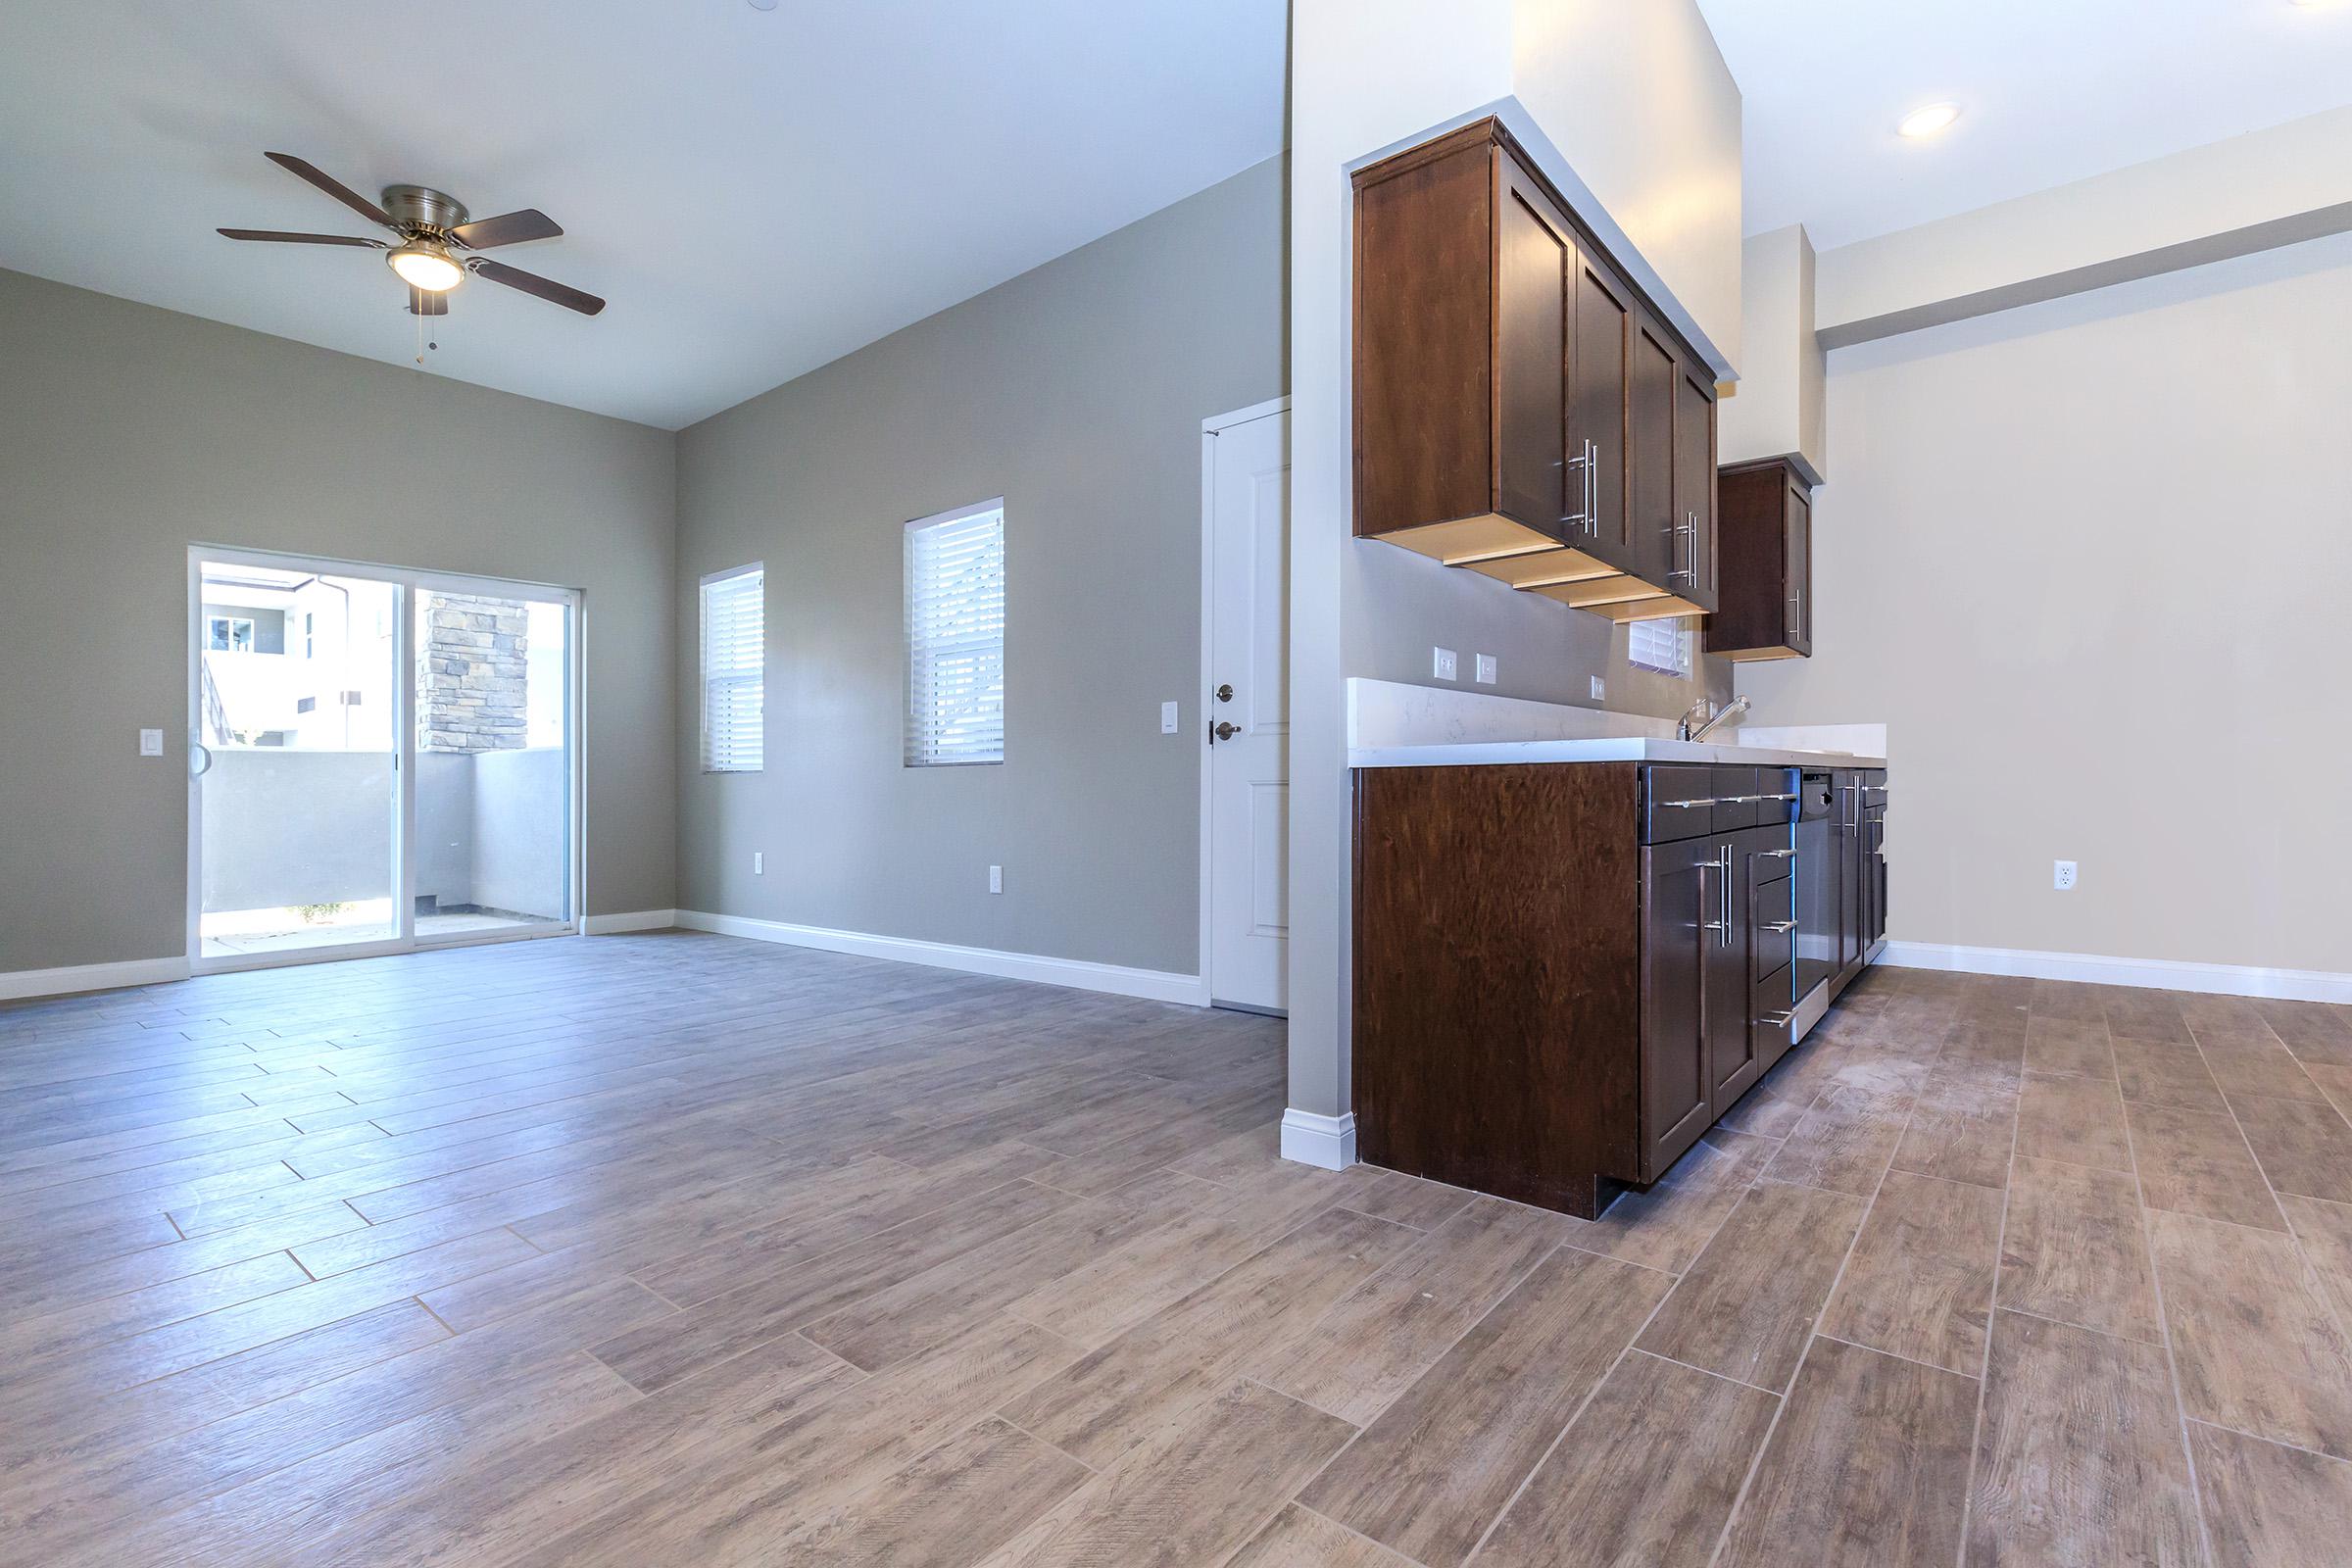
[(1210, 427), (409, 582)]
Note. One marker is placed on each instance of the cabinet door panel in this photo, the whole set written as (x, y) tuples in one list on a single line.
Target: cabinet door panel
[(1660, 548), (1798, 542), (1534, 257), (1732, 1060), (1679, 898), (1694, 479), (1598, 377)]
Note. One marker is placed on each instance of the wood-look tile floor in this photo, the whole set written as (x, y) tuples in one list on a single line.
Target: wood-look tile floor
[(682, 1249)]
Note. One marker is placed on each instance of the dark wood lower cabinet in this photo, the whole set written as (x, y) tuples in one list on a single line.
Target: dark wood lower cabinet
[(1566, 972)]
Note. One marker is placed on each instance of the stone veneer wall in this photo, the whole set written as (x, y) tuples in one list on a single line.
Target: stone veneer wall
[(472, 680)]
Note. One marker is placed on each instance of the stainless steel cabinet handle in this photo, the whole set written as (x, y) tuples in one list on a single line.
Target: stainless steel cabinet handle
[(1778, 1019), (1726, 927), (1796, 614), (1686, 804), (1783, 796), (1780, 925), (1583, 516), (1777, 854)]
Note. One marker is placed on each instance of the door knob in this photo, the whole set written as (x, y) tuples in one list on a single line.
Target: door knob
[(1225, 731), (1224, 694)]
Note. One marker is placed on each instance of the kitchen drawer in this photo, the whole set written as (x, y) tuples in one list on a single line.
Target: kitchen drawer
[(1772, 1013), (1734, 798), (1778, 787), (1772, 914), (1677, 802)]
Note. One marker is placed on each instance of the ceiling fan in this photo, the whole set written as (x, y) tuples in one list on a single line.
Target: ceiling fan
[(434, 236)]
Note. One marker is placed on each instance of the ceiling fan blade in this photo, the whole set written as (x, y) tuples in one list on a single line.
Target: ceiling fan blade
[(333, 186), (571, 299), (424, 302), (506, 229), (303, 239)]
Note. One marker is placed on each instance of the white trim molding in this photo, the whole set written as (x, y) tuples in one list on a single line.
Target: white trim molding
[(76, 978), (1152, 985), (2160, 974), (1326, 1142), (613, 925)]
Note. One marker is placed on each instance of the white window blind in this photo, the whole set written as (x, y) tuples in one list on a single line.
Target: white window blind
[(1660, 645), (955, 637), (734, 643)]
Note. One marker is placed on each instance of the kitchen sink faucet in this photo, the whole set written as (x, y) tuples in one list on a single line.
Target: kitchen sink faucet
[(1731, 710)]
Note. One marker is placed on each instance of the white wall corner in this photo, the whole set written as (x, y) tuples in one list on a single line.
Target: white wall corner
[(15, 984), (611, 925), (1325, 1141), (2157, 974)]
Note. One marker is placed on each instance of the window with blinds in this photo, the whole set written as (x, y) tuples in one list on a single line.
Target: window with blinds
[(955, 637), (1660, 645), (734, 643)]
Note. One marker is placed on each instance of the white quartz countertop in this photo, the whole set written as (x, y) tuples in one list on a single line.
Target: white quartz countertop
[(1390, 725), (1621, 748)]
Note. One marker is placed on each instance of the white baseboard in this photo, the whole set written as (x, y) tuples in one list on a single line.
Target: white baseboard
[(1328, 1141), (19, 983), (1154, 985), (2160, 974), (613, 925)]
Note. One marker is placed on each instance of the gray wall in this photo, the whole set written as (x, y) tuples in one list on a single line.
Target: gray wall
[(129, 432), (2087, 561), (1401, 604), (1076, 392)]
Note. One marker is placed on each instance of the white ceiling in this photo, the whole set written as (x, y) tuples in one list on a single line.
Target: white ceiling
[(2052, 91), (755, 192)]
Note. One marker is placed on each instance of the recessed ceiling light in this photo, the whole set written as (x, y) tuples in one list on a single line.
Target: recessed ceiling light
[(1928, 122), (763, 5)]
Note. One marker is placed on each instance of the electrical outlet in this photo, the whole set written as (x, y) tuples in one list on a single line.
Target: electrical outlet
[(1484, 668), (1167, 719), (1445, 663), (2062, 874), (995, 879), (759, 863), (1600, 689), (151, 742)]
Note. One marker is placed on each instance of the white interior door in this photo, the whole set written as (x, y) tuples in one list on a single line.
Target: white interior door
[(1249, 714)]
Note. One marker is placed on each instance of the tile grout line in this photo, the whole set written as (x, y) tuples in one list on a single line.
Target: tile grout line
[(1992, 1302), (1756, 1463), (2163, 1324), (1576, 1415), (2295, 1234)]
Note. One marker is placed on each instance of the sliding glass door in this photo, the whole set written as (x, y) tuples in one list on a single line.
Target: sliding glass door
[(493, 708), (378, 760)]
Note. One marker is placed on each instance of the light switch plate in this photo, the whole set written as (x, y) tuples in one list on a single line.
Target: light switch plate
[(1445, 665), (1484, 668), (1167, 719), (1600, 689), (995, 879), (151, 742), (759, 863)]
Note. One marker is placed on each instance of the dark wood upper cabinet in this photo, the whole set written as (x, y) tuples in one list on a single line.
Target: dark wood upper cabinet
[(1535, 256), (1694, 482), (1766, 540), (1599, 365), (1663, 551), (1510, 412)]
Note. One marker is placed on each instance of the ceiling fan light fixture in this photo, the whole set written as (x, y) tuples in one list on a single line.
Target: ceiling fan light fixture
[(426, 266)]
